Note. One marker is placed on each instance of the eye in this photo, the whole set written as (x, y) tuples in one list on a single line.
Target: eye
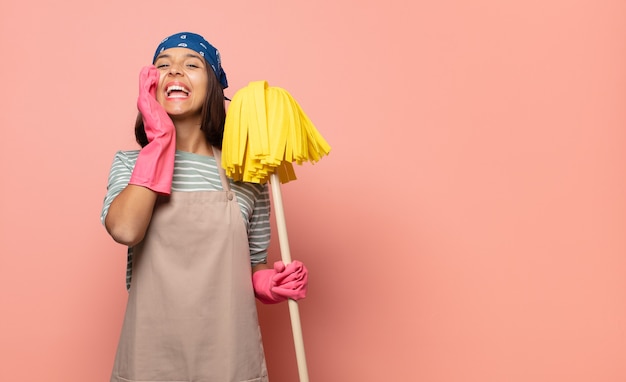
[(194, 64), (161, 66)]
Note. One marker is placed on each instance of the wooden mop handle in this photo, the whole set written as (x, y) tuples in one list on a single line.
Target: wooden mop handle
[(285, 254)]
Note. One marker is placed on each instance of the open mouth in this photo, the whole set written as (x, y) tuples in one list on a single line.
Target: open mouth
[(177, 91)]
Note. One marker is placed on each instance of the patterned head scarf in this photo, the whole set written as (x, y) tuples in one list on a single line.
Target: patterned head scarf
[(196, 43)]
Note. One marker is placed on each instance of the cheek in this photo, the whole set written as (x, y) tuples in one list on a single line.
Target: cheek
[(201, 91), (198, 79)]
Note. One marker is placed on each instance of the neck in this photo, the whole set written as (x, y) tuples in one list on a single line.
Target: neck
[(191, 139)]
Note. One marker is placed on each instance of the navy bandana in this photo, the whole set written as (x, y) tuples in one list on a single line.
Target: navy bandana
[(196, 43)]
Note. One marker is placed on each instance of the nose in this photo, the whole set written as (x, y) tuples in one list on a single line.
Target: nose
[(175, 69)]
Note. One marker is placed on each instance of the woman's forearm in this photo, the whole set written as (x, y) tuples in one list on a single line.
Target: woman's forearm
[(129, 214)]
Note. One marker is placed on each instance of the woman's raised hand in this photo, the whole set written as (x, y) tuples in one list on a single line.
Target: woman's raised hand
[(155, 165)]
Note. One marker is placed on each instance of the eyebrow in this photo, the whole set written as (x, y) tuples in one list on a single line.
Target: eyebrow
[(165, 55)]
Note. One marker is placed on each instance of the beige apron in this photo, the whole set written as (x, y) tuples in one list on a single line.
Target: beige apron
[(191, 313)]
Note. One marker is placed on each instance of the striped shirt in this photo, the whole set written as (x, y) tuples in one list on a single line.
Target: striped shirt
[(194, 172)]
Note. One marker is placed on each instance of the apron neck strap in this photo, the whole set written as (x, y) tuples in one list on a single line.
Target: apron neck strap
[(218, 161)]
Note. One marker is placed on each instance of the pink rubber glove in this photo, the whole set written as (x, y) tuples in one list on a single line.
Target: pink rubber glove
[(155, 164), (281, 283)]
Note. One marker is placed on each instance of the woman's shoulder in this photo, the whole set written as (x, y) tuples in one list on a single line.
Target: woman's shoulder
[(126, 156), (127, 153), (124, 159)]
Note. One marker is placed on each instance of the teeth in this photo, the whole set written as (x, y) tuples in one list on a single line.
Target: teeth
[(176, 88)]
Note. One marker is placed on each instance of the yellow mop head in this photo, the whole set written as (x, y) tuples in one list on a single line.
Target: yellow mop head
[(265, 131)]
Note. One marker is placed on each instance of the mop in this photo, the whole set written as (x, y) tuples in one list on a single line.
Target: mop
[(264, 133)]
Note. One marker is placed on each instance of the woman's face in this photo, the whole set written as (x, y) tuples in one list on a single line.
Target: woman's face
[(183, 84)]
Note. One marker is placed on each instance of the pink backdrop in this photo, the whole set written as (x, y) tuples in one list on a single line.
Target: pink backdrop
[(469, 224)]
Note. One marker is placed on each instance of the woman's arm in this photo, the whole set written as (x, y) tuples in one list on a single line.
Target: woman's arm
[(129, 214), (259, 267), (127, 208)]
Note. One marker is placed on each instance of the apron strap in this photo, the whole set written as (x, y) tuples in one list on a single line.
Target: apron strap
[(218, 160)]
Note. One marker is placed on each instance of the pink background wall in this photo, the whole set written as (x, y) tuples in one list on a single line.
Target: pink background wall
[(469, 224)]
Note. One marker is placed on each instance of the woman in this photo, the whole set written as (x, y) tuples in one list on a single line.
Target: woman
[(194, 236)]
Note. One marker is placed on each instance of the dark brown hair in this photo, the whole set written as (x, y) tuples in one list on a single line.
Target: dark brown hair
[(213, 114)]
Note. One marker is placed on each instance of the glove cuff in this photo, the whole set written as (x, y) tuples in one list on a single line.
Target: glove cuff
[(154, 167)]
